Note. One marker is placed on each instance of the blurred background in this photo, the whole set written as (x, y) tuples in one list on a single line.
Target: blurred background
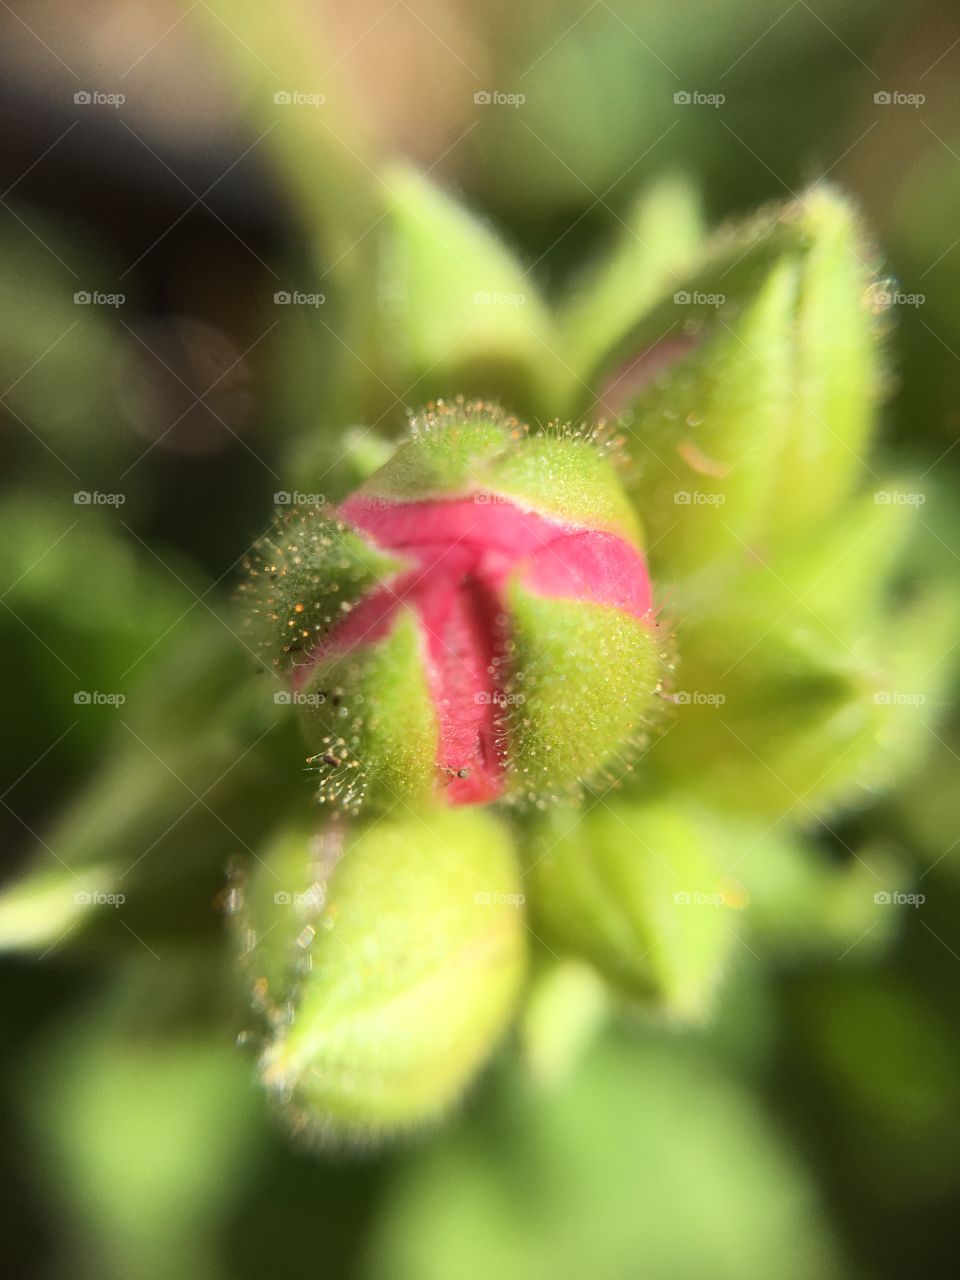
[(185, 232)]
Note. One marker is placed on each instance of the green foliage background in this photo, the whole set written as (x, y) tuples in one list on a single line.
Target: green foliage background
[(811, 1129)]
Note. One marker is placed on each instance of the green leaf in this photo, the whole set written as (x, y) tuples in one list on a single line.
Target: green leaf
[(145, 1127), (471, 447), (41, 907), (651, 1161), (804, 902)]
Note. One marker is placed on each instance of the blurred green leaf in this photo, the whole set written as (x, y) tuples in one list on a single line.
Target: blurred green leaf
[(458, 313), (656, 240), (634, 889), (649, 1162), (43, 906), (145, 1129)]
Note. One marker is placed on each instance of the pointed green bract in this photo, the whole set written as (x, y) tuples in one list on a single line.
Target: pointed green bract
[(724, 276), (386, 959), (659, 237), (836, 372), (455, 304)]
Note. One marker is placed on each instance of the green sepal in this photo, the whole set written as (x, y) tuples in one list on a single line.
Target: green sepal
[(571, 475), (448, 449), (473, 448), (303, 576), (369, 720), (580, 696)]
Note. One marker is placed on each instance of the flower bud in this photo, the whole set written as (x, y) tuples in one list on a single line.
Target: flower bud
[(475, 623), (384, 960), (747, 396)]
